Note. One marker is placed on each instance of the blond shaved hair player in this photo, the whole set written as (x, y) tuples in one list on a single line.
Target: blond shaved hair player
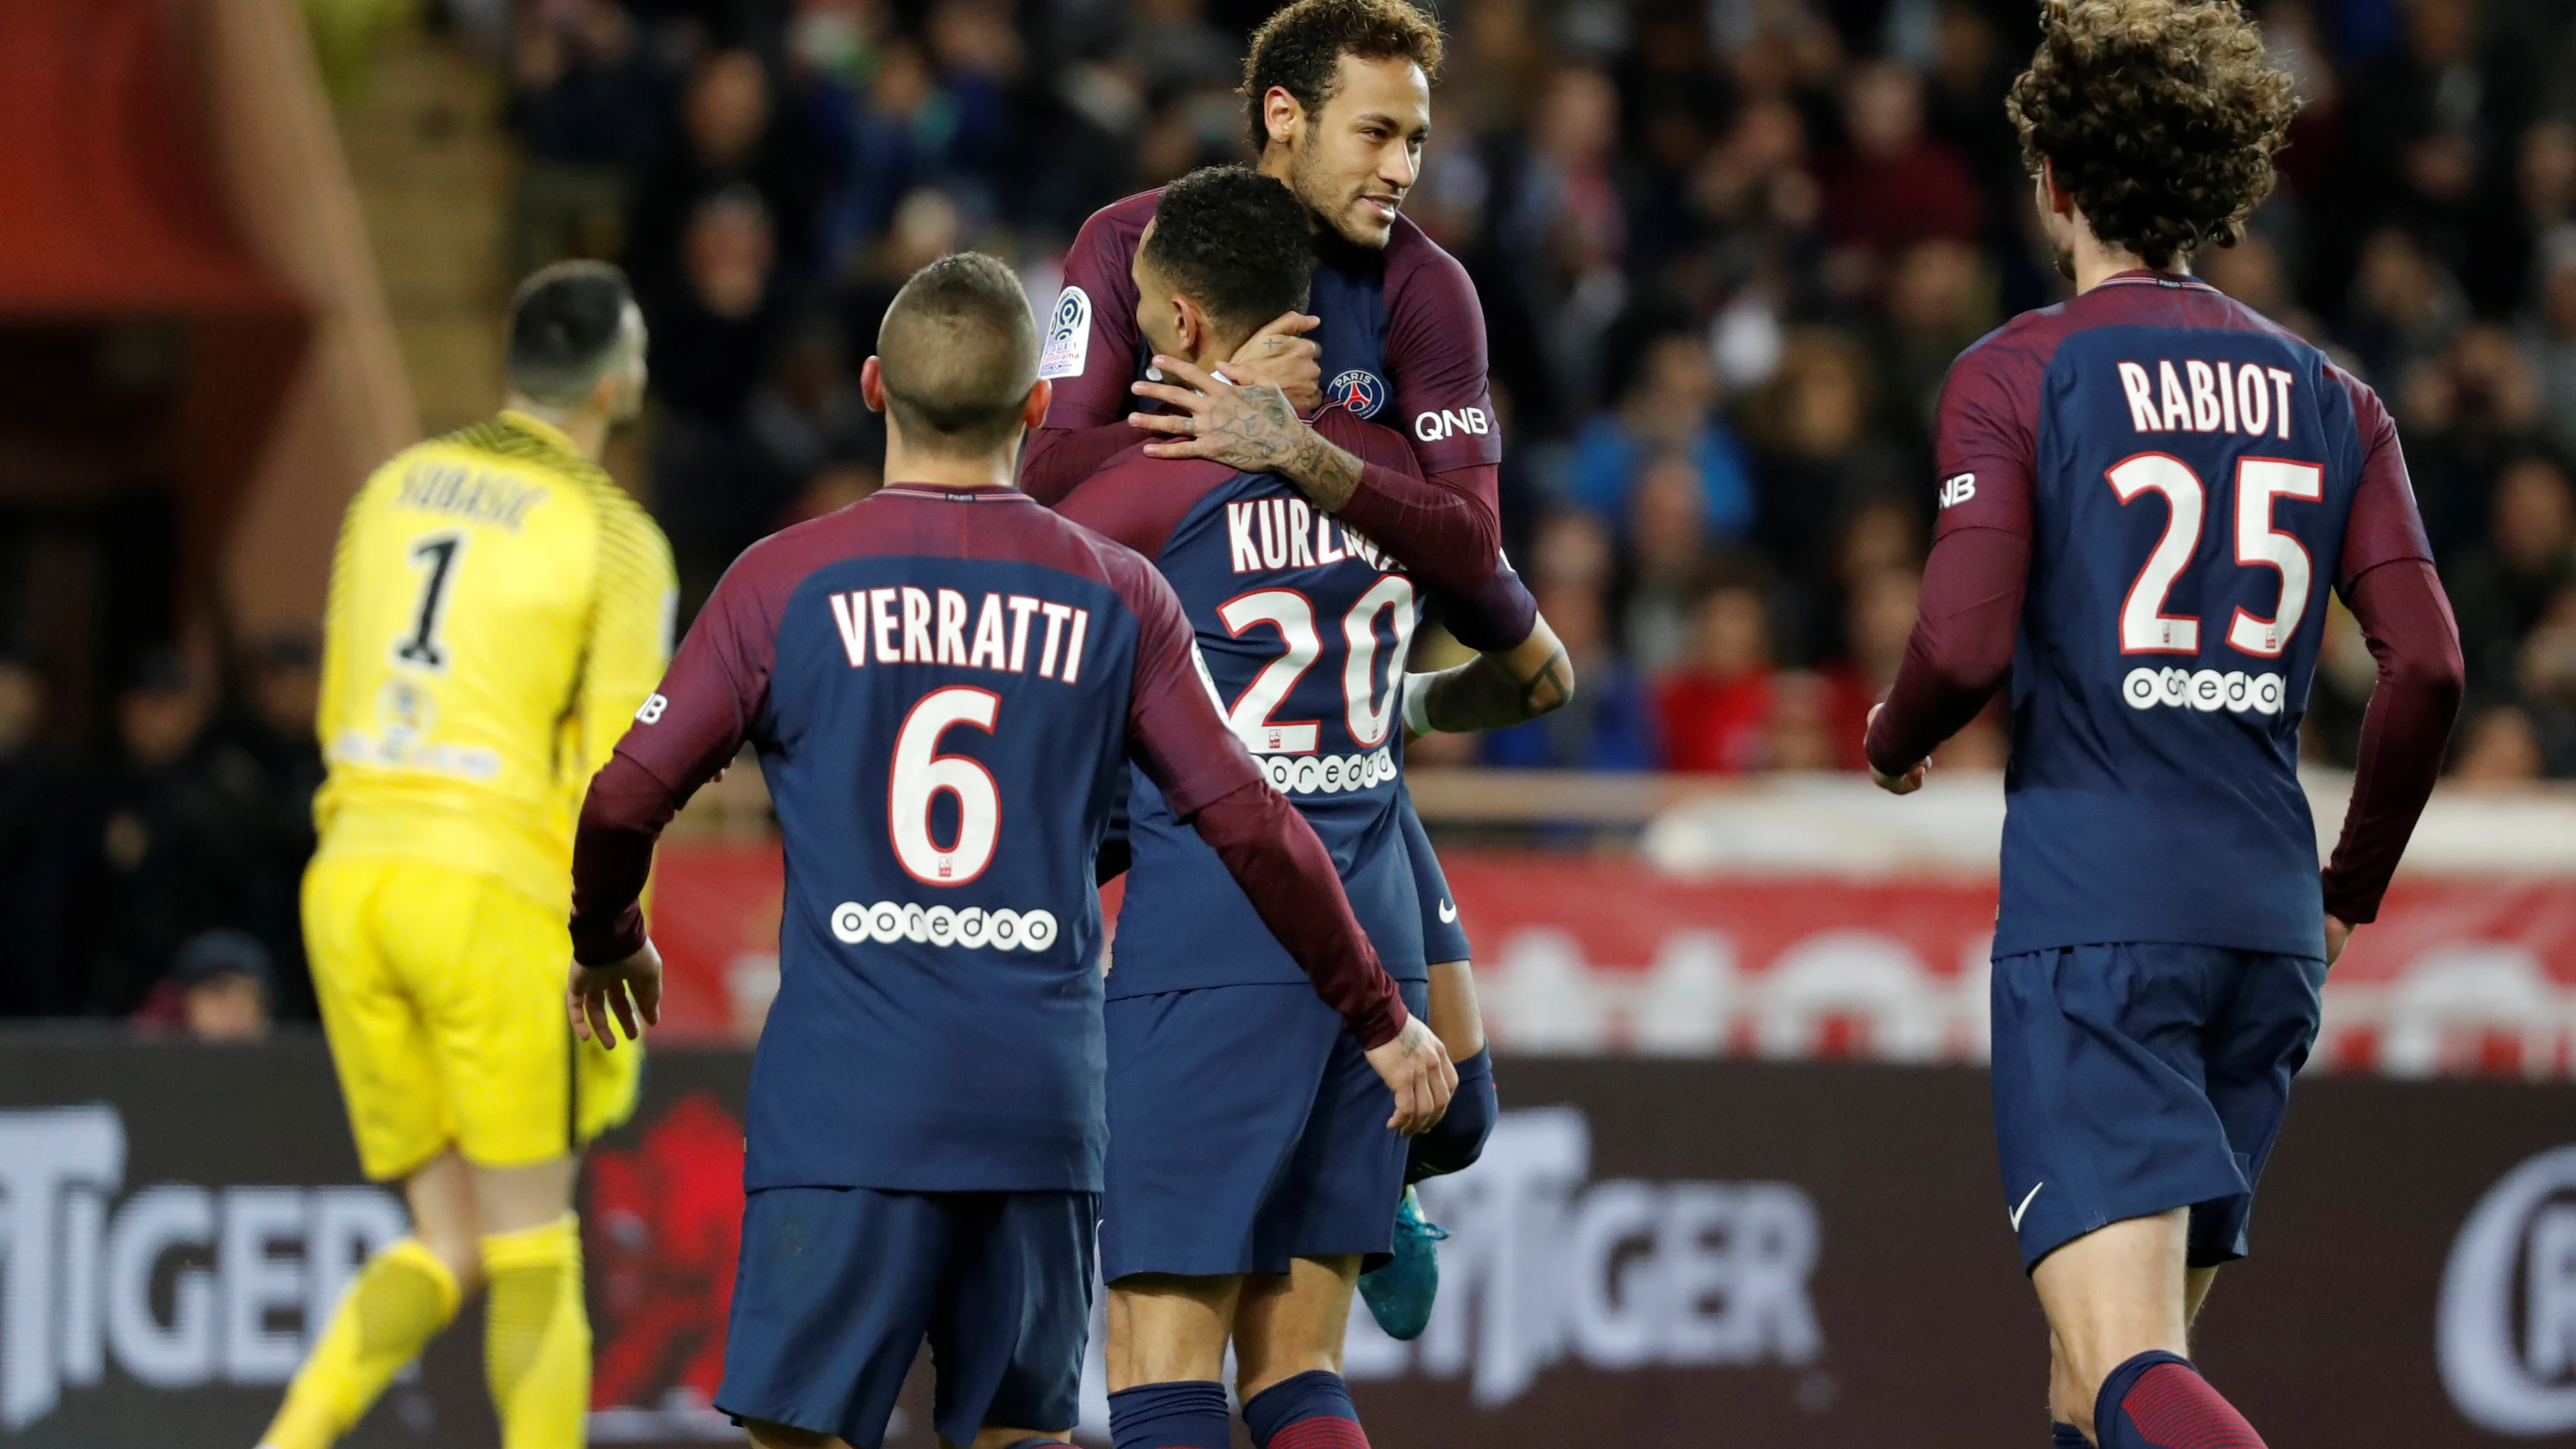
[(499, 610)]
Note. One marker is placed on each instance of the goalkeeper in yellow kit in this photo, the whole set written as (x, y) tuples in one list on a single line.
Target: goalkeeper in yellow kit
[(499, 609)]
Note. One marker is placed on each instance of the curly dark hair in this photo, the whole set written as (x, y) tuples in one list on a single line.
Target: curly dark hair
[(2161, 117), (1235, 240), (1300, 48)]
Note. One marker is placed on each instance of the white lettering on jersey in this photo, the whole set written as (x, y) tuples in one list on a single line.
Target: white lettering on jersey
[(916, 626), (2221, 397), (933, 629), (1958, 489), (1267, 535), (1431, 427), (1021, 607), (2142, 402), (952, 627), (651, 713), (1238, 538), (850, 616), (988, 636), (1056, 615), (1068, 339)]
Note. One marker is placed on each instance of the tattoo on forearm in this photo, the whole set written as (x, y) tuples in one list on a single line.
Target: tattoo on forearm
[(1486, 694), (1254, 427), (1325, 474)]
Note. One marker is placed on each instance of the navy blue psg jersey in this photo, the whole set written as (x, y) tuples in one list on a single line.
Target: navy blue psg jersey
[(1305, 627), (946, 689), (2193, 481), (1401, 336)]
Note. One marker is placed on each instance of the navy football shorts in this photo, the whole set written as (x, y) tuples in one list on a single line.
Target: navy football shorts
[(1246, 1128), (1444, 938), (839, 1286), (2133, 1079)]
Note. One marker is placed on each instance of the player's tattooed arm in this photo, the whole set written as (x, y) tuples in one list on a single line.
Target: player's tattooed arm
[(1251, 426), (1496, 690)]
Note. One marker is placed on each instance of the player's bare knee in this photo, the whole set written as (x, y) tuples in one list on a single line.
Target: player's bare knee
[(440, 1196), (1294, 1323), (462, 1254), (514, 1199), (995, 1438), (1165, 1328), (2068, 1402)]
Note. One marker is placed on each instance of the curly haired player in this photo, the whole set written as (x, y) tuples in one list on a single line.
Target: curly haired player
[(2146, 492)]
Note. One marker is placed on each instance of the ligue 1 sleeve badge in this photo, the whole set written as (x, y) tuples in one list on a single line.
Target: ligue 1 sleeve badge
[(1068, 338), (1358, 392)]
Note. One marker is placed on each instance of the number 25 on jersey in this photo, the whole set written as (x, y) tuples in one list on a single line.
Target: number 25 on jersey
[(2261, 483)]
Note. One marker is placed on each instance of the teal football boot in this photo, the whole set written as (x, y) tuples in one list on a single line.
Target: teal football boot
[(1400, 1295)]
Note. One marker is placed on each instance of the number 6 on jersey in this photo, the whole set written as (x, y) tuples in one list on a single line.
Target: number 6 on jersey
[(921, 775)]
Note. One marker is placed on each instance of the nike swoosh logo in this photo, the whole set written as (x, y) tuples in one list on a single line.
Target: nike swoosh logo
[(1448, 913), (2025, 1204)]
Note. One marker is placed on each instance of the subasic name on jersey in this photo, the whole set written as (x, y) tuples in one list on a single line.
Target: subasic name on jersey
[(473, 494)]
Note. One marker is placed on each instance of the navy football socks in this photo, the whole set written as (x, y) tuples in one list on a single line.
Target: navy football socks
[(1041, 1442), (2159, 1401), (1188, 1414), (2063, 1436), (1309, 1411)]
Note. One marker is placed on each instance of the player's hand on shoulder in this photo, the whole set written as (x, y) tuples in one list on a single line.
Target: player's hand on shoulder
[(1252, 428), (1285, 358), (1905, 784), (629, 990), (1416, 1067), (2338, 936)]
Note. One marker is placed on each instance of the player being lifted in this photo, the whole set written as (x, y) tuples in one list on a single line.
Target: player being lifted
[(1250, 1165), (498, 609), (1338, 105), (2146, 493), (947, 684)]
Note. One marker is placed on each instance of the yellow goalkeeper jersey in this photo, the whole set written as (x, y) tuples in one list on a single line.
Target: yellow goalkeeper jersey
[(499, 610)]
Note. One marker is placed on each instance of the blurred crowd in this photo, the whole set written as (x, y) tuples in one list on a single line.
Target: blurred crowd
[(159, 880), (1726, 248)]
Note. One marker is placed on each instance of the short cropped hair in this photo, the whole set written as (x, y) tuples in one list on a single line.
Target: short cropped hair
[(1301, 49), (2160, 116), (1234, 240), (567, 329), (958, 353)]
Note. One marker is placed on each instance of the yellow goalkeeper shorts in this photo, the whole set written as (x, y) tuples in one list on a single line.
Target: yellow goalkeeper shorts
[(442, 992)]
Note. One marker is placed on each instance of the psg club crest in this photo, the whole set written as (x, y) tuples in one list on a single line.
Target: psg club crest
[(1358, 392)]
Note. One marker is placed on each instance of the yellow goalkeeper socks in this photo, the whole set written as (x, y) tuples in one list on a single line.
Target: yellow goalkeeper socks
[(536, 1335), (400, 1300)]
